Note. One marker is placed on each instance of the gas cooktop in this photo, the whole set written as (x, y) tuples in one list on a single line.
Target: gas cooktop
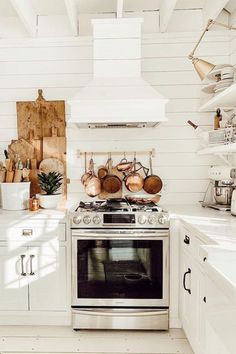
[(116, 205), (118, 213)]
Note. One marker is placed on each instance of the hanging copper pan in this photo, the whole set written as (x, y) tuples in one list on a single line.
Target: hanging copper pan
[(152, 183)]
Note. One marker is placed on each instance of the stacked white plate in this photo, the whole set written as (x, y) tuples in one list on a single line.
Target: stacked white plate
[(227, 78), (220, 77)]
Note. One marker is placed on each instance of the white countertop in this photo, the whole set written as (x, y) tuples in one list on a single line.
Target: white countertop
[(41, 214), (213, 226)]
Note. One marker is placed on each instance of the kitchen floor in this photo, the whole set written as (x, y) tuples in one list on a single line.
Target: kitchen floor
[(49, 339)]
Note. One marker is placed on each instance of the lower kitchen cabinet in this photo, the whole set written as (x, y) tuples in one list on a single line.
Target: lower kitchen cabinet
[(192, 293), (34, 278), (13, 285), (47, 281)]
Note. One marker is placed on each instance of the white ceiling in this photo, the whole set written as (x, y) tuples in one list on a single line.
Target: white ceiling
[(72, 17)]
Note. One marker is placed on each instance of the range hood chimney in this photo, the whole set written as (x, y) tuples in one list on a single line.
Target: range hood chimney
[(117, 96)]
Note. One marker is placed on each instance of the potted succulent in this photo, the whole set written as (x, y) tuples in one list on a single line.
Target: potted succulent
[(50, 183)]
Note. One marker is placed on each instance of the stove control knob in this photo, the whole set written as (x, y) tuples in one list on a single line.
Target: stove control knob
[(162, 219), (77, 219), (142, 219), (87, 219), (96, 220), (152, 219)]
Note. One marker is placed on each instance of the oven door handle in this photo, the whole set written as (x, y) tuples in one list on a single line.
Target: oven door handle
[(108, 235), (121, 312)]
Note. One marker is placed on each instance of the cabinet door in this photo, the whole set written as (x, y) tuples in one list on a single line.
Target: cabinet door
[(13, 278), (47, 279), (186, 292)]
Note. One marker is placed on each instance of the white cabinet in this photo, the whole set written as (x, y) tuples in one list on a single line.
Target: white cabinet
[(34, 277), (13, 283), (47, 282), (192, 290)]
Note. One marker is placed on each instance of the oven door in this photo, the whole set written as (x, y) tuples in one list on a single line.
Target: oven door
[(120, 268)]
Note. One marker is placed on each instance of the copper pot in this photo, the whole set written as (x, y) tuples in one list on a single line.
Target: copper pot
[(134, 181), (111, 183), (93, 183), (87, 174), (124, 165), (152, 183)]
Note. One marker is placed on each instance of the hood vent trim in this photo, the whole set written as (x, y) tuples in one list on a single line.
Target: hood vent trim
[(119, 125)]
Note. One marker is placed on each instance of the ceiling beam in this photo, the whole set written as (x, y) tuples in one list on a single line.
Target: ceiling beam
[(119, 11), (232, 18), (27, 15), (72, 15), (212, 9), (166, 10)]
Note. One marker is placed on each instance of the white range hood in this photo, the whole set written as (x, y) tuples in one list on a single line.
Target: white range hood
[(117, 96)]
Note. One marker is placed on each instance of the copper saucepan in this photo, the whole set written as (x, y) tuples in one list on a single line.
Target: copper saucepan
[(134, 181), (142, 198), (87, 174), (124, 165), (111, 183), (152, 183), (92, 184)]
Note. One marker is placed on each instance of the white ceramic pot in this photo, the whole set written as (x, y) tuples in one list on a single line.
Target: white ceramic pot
[(15, 196), (49, 201)]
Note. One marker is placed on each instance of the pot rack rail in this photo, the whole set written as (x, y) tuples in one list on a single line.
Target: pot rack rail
[(151, 153)]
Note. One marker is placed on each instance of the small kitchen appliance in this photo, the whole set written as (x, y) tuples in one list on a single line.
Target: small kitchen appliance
[(220, 188), (120, 265), (233, 203)]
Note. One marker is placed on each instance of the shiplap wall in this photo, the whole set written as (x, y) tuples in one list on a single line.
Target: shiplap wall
[(60, 67)]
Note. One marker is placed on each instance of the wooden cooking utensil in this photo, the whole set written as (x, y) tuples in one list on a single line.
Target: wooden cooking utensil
[(152, 183), (10, 172), (33, 177)]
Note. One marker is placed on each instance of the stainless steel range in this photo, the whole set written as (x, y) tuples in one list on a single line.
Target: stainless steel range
[(120, 266)]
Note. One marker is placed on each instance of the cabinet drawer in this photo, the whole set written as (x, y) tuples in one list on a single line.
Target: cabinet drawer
[(186, 240), (33, 233), (191, 243)]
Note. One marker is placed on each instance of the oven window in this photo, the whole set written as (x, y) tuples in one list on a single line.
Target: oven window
[(129, 269)]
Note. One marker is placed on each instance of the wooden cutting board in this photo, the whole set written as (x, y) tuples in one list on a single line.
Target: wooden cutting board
[(38, 147), (105, 195), (55, 147), (22, 148), (40, 116)]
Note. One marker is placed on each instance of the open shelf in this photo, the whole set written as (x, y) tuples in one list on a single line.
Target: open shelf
[(225, 99), (218, 150)]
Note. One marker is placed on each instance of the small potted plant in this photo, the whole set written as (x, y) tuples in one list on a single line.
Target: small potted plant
[(50, 183)]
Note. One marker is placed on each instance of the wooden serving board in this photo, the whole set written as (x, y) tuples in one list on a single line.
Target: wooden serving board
[(22, 148), (40, 117), (55, 147), (35, 122), (105, 195)]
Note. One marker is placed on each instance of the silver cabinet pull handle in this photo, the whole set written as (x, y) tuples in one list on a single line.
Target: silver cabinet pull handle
[(27, 232), (31, 264), (22, 256)]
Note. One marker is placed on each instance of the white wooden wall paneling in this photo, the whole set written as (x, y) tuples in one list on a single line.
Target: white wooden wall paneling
[(65, 66)]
